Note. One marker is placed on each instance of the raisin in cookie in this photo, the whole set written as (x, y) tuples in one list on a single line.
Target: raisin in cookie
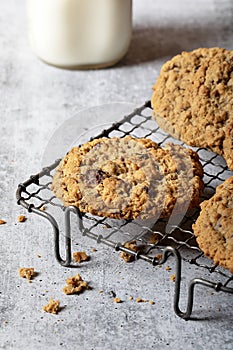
[(213, 227), (128, 178), (193, 99)]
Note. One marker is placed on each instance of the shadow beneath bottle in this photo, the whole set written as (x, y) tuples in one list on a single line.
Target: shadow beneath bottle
[(157, 42)]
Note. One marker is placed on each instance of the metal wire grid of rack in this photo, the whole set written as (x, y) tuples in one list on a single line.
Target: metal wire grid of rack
[(157, 241)]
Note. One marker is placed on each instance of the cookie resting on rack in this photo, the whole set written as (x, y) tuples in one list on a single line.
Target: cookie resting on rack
[(128, 178), (213, 227), (193, 99)]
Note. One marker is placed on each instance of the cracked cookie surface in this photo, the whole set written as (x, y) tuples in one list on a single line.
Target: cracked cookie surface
[(193, 99), (213, 227), (128, 178)]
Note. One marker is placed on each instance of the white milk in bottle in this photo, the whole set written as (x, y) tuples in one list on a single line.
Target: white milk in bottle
[(80, 33)]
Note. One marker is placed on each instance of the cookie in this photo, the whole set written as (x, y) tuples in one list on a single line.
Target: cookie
[(128, 178), (193, 99), (213, 227)]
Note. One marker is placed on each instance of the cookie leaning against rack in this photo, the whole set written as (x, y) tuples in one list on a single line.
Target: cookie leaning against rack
[(193, 99), (214, 226), (128, 178)]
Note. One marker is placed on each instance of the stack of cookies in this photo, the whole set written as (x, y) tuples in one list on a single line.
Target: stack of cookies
[(193, 101)]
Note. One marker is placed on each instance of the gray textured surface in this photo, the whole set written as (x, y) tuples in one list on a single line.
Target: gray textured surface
[(35, 99)]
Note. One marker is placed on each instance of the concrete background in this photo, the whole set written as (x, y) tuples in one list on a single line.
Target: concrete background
[(35, 100)]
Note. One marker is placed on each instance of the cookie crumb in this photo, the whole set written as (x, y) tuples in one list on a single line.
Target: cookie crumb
[(80, 256), (2, 222), (100, 291), (130, 297), (168, 268), (154, 238), (129, 257), (22, 218), (173, 278), (52, 307), (117, 300), (43, 208), (75, 285), (26, 272), (94, 250), (140, 300), (38, 256), (159, 256)]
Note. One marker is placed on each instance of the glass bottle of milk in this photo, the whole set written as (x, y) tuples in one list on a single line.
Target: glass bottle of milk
[(80, 33)]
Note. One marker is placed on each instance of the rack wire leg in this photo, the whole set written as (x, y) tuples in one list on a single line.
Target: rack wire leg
[(57, 234), (185, 315), (68, 248)]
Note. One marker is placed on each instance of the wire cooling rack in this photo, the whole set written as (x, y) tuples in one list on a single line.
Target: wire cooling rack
[(156, 241)]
